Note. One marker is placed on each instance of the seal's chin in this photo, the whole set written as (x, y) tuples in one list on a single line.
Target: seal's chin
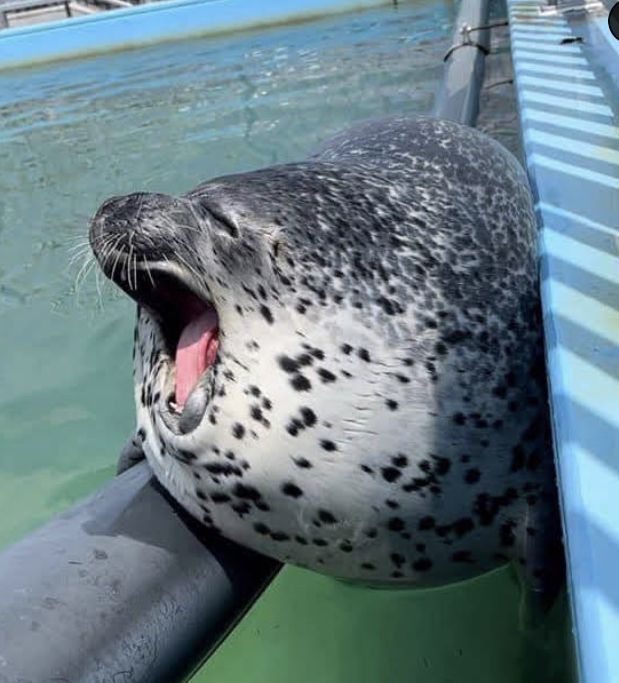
[(188, 326)]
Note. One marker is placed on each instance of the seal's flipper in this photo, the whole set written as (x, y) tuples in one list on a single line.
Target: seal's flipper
[(131, 454)]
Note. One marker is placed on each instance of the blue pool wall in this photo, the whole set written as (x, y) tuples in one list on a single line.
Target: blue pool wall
[(156, 22)]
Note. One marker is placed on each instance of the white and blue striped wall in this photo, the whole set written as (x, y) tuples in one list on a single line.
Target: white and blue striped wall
[(568, 112)]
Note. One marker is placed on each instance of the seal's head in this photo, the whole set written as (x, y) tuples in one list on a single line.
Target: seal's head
[(198, 283)]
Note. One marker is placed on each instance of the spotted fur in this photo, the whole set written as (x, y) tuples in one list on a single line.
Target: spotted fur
[(377, 410)]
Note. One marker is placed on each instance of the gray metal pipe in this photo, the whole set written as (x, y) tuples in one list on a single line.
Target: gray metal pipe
[(122, 587), (458, 97)]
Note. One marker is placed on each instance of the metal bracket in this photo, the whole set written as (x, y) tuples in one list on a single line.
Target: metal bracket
[(466, 41)]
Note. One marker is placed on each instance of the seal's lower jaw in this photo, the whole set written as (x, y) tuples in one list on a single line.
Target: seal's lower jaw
[(188, 328)]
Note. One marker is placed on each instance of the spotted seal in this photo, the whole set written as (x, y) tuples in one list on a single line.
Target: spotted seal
[(339, 362)]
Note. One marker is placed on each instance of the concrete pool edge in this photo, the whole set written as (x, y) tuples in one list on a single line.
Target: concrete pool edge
[(156, 22)]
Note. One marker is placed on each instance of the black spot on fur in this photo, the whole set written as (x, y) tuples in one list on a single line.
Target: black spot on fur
[(300, 383), (364, 354), (518, 458), (241, 508), (463, 526), (396, 524), (423, 564), (287, 364), (399, 461), (391, 474), (506, 534), (326, 376), (327, 445), (441, 465), (238, 430), (280, 536), (247, 492), (292, 428), (397, 559), (304, 360), (472, 476), (326, 517), (303, 463), (291, 489), (266, 314), (309, 417), (426, 523)]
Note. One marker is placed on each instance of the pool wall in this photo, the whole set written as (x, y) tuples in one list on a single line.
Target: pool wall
[(572, 148), (156, 22)]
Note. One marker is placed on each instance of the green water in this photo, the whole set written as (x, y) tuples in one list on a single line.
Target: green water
[(164, 119)]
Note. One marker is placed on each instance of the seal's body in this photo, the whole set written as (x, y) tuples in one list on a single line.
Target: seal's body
[(372, 404)]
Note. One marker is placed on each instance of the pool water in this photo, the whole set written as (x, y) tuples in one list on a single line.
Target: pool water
[(164, 119)]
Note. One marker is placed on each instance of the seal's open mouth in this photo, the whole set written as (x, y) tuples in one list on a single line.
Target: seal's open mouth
[(188, 322), (196, 351)]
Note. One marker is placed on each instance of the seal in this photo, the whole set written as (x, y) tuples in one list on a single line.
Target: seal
[(339, 362)]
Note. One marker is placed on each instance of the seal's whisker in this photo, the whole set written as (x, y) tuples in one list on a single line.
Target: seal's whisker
[(111, 249), (128, 264), (85, 270), (119, 253), (105, 250), (79, 256), (189, 267), (98, 287), (79, 246), (147, 267), (81, 274), (87, 262), (135, 270)]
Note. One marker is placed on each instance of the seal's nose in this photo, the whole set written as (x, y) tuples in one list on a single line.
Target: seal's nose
[(145, 222)]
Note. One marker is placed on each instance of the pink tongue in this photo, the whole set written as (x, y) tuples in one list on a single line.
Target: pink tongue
[(196, 350)]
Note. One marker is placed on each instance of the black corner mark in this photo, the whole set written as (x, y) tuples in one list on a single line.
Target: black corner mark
[(613, 20)]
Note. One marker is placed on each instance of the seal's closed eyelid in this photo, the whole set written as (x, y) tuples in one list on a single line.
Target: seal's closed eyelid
[(224, 222)]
